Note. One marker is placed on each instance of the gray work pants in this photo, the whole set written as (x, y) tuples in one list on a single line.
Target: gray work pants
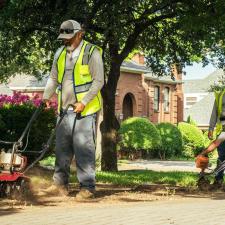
[(76, 136)]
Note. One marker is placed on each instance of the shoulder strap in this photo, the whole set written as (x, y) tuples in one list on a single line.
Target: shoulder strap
[(58, 52), (86, 54), (89, 49)]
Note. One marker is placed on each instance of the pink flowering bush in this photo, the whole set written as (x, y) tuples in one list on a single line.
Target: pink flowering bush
[(18, 99), (15, 113)]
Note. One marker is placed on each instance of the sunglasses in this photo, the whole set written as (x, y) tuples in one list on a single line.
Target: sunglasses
[(67, 31)]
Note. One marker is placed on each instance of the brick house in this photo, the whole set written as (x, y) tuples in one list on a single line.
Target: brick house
[(139, 92)]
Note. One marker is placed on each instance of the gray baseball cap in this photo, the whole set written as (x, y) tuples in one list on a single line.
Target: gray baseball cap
[(68, 29)]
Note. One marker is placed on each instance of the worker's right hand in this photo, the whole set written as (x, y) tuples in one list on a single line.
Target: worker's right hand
[(210, 134)]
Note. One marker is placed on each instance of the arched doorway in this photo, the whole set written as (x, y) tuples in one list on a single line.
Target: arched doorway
[(128, 106)]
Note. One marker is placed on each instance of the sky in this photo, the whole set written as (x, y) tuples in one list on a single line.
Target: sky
[(197, 71)]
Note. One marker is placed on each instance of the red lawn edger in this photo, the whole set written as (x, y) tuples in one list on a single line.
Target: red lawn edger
[(13, 164)]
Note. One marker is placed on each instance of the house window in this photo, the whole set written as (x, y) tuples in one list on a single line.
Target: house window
[(166, 105), (156, 98)]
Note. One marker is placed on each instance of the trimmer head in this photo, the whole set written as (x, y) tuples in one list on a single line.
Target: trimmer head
[(15, 186), (203, 183)]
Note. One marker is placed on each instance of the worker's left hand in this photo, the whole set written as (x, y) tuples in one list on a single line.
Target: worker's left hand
[(79, 107)]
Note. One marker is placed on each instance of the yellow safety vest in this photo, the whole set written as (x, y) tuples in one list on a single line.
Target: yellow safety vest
[(219, 100), (81, 77)]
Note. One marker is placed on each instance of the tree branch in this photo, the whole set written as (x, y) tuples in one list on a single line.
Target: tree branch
[(152, 10), (88, 24), (139, 28)]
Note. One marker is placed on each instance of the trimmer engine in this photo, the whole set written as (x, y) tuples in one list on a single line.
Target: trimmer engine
[(18, 162), (13, 183)]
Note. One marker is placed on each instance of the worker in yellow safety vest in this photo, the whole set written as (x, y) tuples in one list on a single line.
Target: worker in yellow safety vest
[(217, 120), (77, 76)]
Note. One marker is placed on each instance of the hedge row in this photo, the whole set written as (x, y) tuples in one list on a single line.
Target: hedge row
[(139, 134), (172, 143), (13, 120), (164, 140), (193, 138)]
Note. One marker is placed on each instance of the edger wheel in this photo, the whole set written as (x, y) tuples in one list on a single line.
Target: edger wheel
[(20, 189), (24, 189), (2, 189)]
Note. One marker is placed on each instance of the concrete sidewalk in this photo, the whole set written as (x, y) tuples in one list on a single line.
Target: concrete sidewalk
[(158, 165), (186, 209), (179, 212)]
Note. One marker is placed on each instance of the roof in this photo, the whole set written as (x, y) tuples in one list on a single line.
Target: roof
[(201, 111), (22, 82), (161, 79), (132, 66), (202, 85), (5, 90)]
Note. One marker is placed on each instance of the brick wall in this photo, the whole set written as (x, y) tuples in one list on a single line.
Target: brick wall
[(142, 94), (130, 84)]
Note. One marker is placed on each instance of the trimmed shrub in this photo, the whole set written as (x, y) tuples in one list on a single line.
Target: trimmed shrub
[(16, 115), (172, 143), (139, 134), (1, 123), (207, 140), (194, 141), (15, 119), (191, 121)]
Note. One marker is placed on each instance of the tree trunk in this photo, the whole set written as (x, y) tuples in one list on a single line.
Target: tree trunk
[(110, 124)]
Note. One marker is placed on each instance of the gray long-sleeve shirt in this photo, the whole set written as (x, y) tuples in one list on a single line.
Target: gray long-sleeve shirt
[(68, 97), (214, 115)]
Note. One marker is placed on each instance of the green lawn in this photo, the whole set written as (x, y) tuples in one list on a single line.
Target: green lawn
[(139, 177), (147, 176)]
